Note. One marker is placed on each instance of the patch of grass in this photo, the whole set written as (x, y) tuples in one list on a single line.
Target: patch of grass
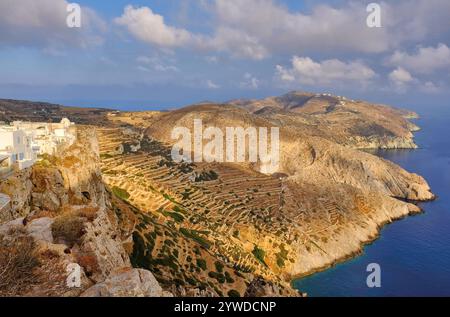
[(18, 261), (281, 256), (194, 235), (259, 254), (174, 215), (121, 193)]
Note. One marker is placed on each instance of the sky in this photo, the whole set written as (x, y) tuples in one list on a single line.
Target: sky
[(162, 54)]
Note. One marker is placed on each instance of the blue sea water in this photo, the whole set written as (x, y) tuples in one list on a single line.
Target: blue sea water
[(414, 253)]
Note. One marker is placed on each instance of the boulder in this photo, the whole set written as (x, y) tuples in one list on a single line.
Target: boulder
[(41, 229)]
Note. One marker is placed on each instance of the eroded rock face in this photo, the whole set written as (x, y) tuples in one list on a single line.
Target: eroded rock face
[(102, 240), (321, 161), (18, 187), (70, 185), (128, 283)]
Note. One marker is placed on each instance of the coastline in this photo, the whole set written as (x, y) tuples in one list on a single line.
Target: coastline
[(359, 252), (380, 226)]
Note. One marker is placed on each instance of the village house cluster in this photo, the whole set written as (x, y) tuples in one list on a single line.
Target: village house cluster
[(21, 143)]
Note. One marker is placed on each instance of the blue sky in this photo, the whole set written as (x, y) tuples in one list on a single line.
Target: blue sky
[(169, 53)]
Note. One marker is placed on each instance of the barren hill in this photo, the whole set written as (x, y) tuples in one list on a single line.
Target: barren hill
[(349, 122)]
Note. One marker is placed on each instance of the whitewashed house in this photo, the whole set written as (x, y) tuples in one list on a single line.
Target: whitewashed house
[(22, 142), (17, 146)]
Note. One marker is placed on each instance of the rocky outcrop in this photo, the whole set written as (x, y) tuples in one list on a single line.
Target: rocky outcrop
[(102, 241), (68, 190), (19, 188), (128, 283), (321, 161)]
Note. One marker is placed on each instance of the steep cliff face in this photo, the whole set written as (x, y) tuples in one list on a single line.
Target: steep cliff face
[(66, 215)]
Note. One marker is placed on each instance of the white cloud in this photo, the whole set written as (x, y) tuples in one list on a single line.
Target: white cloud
[(306, 71), (400, 76), (425, 61), (257, 29), (43, 24), (401, 79), (273, 28), (211, 85), (151, 28), (156, 63), (250, 82)]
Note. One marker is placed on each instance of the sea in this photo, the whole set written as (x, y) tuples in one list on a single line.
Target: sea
[(413, 254)]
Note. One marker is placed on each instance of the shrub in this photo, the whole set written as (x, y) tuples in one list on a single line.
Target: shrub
[(88, 212), (18, 261), (218, 276), (259, 254), (219, 266), (121, 193), (69, 228), (234, 293), (228, 278), (89, 264), (201, 264)]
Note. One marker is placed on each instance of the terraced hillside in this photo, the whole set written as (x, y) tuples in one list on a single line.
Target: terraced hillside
[(181, 235), (254, 225)]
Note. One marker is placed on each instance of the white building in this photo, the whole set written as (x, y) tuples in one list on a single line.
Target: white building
[(17, 146), (21, 142)]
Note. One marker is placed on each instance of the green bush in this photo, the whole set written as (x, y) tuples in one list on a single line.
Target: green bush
[(121, 193), (201, 264), (219, 266), (234, 293), (259, 254)]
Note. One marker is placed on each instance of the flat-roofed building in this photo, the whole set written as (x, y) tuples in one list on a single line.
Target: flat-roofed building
[(21, 142)]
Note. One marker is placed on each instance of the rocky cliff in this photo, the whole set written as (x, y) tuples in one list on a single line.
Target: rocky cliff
[(62, 212)]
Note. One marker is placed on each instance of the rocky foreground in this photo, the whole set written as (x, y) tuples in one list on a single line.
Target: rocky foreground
[(140, 224)]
